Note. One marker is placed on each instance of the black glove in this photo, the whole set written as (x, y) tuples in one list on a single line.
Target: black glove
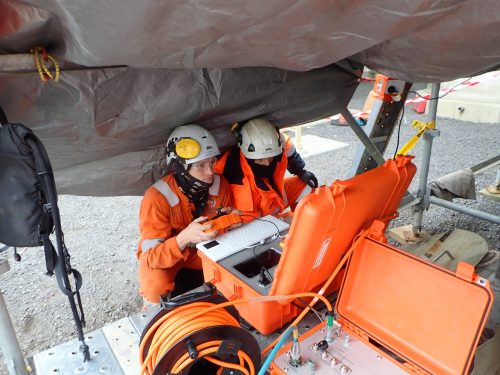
[(309, 178)]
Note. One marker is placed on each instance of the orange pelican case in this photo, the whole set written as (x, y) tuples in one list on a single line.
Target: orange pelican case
[(323, 227), (426, 315)]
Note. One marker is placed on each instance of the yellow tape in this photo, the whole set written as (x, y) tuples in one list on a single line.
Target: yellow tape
[(422, 126)]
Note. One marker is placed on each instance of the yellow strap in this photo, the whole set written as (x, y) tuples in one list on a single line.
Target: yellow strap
[(422, 126)]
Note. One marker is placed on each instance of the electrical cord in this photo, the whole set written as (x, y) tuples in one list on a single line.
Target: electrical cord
[(254, 248), (260, 263), (211, 347), (272, 238), (322, 290), (267, 221), (423, 97), (187, 319), (316, 312), (399, 130), (182, 322), (442, 96)]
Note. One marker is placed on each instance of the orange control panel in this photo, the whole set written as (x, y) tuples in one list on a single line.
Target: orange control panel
[(224, 222)]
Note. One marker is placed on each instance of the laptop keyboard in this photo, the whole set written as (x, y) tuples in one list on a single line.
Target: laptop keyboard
[(248, 235)]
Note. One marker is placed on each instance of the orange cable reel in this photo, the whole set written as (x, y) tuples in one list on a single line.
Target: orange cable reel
[(182, 323)]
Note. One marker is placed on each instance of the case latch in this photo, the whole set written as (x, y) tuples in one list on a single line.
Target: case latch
[(377, 231), (465, 271)]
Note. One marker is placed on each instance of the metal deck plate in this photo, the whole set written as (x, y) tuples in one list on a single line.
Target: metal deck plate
[(123, 339), (140, 320), (114, 348), (66, 359)]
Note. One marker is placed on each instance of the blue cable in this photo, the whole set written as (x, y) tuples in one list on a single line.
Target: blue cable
[(278, 345)]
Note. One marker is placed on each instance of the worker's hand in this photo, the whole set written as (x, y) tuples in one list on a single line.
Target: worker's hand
[(309, 178), (194, 233)]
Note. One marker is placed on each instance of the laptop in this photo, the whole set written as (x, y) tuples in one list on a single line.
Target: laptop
[(257, 232)]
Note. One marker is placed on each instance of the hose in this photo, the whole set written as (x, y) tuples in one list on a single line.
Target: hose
[(280, 343)]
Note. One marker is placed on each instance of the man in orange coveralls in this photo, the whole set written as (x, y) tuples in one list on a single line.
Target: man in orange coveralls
[(256, 171), (173, 210)]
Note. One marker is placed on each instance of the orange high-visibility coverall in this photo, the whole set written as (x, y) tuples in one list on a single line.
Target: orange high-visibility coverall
[(252, 200), (164, 212)]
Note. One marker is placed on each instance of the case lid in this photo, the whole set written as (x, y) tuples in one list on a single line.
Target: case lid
[(326, 221), (425, 314)]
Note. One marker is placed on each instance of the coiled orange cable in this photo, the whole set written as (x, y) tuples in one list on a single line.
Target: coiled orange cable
[(180, 323), (187, 319)]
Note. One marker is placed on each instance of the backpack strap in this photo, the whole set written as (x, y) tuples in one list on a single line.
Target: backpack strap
[(3, 117), (57, 262)]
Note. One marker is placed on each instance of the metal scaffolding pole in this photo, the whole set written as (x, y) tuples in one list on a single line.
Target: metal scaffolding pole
[(370, 147), (423, 190), (9, 345), (465, 210)]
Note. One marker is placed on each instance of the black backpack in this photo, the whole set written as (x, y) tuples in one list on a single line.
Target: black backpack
[(29, 211)]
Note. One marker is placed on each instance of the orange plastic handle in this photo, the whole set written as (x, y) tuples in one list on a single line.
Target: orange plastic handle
[(223, 222)]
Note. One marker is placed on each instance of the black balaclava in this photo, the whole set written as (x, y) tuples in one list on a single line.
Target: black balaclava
[(196, 190), (264, 171)]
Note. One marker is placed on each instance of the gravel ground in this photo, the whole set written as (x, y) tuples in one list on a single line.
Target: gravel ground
[(101, 233)]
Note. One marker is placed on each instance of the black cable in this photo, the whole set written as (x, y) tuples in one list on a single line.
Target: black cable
[(399, 130), (316, 312), (442, 96), (260, 264), (254, 247), (423, 97), (268, 221)]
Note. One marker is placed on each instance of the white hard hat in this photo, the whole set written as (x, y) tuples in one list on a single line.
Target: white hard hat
[(191, 143), (259, 139)]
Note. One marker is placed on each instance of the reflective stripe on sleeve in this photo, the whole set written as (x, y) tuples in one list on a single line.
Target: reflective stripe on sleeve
[(307, 189), (150, 243), (291, 149)]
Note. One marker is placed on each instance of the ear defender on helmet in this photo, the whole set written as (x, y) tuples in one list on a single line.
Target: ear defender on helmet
[(191, 143), (187, 148), (279, 137), (239, 137), (183, 149), (236, 129)]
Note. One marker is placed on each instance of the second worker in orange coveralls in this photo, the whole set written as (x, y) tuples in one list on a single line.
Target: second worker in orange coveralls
[(256, 167), (173, 211)]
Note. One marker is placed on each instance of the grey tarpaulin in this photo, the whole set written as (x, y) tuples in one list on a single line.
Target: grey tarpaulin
[(133, 70), (419, 40), (458, 184), (105, 129)]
